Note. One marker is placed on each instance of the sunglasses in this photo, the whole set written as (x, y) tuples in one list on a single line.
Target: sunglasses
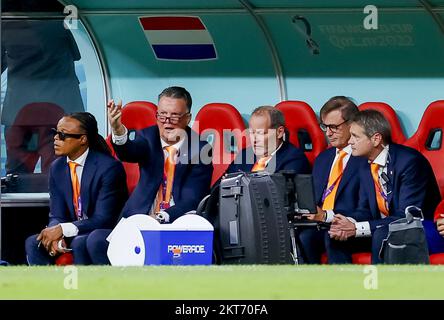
[(63, 135)]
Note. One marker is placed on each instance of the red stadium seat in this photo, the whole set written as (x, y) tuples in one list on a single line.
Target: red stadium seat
[(439, 208), (390, 114), (64, 259), (136, 115), (362, 258), (304, 129), (357, 258), (324, 259), (428, 139), (437, 258), (33, 119), (222, 125)]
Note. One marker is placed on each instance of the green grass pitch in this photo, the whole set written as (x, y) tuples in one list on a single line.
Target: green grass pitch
[(223, 282)]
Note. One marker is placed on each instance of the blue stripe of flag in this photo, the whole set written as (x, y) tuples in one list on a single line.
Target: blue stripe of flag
[(184, 51)]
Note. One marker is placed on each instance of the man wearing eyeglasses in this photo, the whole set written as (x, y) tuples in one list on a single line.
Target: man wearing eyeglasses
[(335, 180), (394, 178), (87, 189), (175, 166), (269, 150)]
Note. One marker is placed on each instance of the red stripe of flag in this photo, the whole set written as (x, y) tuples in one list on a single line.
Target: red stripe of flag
[(172, 23)]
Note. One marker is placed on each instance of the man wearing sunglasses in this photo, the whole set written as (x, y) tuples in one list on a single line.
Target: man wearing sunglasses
[(175, 166), (336, 180), (394, 178), (87, 188)]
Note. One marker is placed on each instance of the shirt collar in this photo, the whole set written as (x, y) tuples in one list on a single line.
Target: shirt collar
[(176, 146), (80, 160), (382, 157), (347, 149), (277, 149)]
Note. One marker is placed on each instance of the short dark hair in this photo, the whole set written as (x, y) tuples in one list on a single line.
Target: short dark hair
[(277, 118), (177, 93), (372, 122), (347, 107), (88, 124)]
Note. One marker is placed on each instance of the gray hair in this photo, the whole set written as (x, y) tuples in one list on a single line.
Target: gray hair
[(373, 122), (177, 93)]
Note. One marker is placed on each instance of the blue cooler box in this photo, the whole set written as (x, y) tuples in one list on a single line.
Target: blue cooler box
[(141, 240), (176, 247)]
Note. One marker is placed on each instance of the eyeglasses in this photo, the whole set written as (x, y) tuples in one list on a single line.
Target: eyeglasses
[(332, 127), (64, 135), (173, 119)]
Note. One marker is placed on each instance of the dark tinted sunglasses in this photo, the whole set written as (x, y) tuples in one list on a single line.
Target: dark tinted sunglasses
[(63, 135)]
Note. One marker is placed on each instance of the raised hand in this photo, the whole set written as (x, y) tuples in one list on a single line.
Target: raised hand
[(115, 117)]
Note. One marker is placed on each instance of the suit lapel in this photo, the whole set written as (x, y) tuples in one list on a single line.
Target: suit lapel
[(67, 185), (326, 169), (87, 176), (391, 172), (370, 185), (349, 171), (279, 157)]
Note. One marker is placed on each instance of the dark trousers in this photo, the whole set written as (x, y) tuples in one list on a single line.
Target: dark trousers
[(311, 244), (435, 241), (340, 252), (87, 249), (39, 256), (97, 246)]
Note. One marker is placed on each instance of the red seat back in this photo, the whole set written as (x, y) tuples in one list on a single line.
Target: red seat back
[(390, 114), (362, 258), (39, 114), (428, 139), (65, 259), (437, 258), (35, 118), (357, 258), (136, 115), (222, 125), (301, 120)]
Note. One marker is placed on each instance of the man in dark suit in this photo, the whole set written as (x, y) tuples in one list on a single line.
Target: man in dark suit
[(335, 177), (175, 166), (87, 191), (395, 177), (269, 151)]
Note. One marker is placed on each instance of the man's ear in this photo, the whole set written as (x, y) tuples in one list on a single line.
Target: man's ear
[(280, 132), (377, 139), (189, 118), (84, 140)]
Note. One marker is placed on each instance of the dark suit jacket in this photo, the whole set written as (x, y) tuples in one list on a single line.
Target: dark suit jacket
[(103, 192), (411, 181), (287, 157), (347, 195), (192, 176)]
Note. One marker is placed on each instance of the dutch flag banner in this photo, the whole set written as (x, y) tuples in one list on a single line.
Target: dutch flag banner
[(178, 38)]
